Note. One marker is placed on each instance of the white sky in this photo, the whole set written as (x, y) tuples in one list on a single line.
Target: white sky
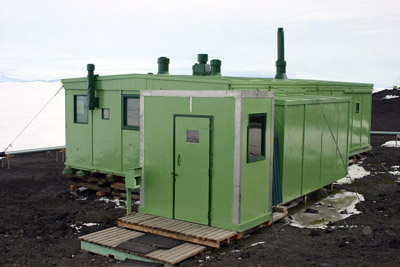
[(332, 40)]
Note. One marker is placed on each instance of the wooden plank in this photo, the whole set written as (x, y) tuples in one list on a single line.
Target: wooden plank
[(219, 235), (121, 237), (178, 250), (170, 234), (279, 209), (124, 239), (140, 218), (188, 254), (198, 230), (186, 251), (174, 226), (91, 186), (151, 222), (187, 228), (118, 255), (164, 253), (95, 233), (163, 224), (103, 237), (111, 232)]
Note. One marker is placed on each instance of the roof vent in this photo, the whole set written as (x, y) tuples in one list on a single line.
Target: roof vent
[(163, 65), (281, 63), (201, 68), (215, 67)]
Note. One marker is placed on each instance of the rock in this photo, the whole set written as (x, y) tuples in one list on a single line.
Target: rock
[(329, 230), (315, 232), (394, 243), (311, 211), (366, 231), (2, 231), (344, 212), (245, 255)]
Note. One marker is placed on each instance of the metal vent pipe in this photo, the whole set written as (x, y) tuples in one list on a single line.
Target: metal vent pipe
[(91, 90), (163, 65), (281, 63), (215, 67)]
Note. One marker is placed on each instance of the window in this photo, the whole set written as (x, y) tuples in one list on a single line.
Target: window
[(358, 107), (80, 109), (131, 112), (256, 137), (105, 113), (192, 136)]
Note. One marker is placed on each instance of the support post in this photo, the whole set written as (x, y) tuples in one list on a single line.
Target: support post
[(128, 201)]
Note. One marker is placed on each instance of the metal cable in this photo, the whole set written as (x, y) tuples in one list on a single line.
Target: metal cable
[(10, 145)]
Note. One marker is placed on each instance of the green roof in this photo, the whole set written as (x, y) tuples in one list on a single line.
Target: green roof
[(224, 80)]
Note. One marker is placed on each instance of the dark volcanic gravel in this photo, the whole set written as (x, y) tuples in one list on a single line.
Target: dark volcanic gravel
[(37, 212)]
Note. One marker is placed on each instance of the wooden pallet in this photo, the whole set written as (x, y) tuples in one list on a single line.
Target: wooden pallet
[(121, 194), (187, 231), (106, 243)]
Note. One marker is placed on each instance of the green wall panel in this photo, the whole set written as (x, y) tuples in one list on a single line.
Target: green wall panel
[(107, 133), (78, 136), (223, 138), (255, 186), (158, 129)]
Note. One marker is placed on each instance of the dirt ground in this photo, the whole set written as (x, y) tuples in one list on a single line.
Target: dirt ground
[(37, 213)]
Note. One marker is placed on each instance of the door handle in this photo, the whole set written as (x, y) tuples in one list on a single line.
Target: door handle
[(179, 160)]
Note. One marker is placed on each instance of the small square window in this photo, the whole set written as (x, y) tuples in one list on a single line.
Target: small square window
[(256, 137), (192, 136), (131, 112), (105, 113), (80, 109), (358, 107)]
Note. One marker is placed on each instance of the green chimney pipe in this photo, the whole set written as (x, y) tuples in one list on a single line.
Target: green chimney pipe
[(202, 58), (281, 63), (91, 94), (215, 67), (163, 65)]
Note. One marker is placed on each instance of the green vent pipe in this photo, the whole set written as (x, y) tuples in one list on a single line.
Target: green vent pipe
[(93, 102), (163, 65), (215, 67), (281, 63)]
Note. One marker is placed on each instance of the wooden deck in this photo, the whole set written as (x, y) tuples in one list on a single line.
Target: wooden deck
[(187, 231), (106, 243)]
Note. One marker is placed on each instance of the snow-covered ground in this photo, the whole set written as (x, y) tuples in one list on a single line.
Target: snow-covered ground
[(20, 102)]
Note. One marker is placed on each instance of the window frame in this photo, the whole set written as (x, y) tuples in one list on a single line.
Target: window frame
[(102, 114), (75, 111), (263, 137), (124, 112)]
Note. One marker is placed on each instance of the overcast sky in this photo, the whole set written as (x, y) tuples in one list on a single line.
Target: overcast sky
[(341, 40)]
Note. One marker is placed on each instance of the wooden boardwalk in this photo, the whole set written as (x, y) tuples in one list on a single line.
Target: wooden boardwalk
[(106, 243), (187, 231)]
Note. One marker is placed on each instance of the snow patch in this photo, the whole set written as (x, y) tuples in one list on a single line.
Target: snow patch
[(119, 204), (392, 144), (90, 224), (335, 207), (258, 243), (394, 172), (390, 96), (356, 171)]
